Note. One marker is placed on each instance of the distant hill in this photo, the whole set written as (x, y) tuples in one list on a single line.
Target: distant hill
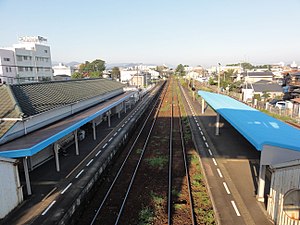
[(72, 63), (108, 65), (111, 65), (54, 63)]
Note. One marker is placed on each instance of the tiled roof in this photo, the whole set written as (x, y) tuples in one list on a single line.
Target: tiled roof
[(258, 74), (268, 87), (8, 109), (35, 98)]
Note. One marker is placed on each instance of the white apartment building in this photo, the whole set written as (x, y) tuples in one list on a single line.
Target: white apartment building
[(154, 74), (126, 75), (8, 70), (62, 69), (32, 60)]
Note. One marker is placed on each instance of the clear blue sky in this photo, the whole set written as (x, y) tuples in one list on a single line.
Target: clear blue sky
[(193, 32)]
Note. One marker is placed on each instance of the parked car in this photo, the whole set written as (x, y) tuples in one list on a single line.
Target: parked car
[(284, 105), (280, 105)]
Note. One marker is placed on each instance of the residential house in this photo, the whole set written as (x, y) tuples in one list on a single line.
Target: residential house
[(259, 88), (252, 77)]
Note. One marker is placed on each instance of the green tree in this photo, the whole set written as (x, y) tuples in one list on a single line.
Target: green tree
[(257, 96), (95, 74), (247, 66), (180, 70), (211, 81), (92, 69), (98, 65), (160, 70), (77, 75), (115, 73), (265, 95)]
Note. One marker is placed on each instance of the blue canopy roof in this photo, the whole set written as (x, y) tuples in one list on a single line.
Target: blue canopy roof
[(257, 127), (34, 142)]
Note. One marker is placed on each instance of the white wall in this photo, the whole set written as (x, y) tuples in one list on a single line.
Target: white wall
[(10, 191), (33, 61), (8, 70), (61, 69), (154, 74), (127, 75)]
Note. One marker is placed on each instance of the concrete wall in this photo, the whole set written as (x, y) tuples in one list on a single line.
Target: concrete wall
[(10, 191), (8, 70)]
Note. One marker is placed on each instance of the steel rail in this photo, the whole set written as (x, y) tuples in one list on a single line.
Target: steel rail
[(170, 164), (125, 160), (184, 153), (140, 160)]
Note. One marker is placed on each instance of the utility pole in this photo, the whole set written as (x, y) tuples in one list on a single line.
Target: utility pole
[(219, 65)]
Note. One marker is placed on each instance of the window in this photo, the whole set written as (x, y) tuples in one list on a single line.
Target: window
[(6, 59), (19, 58), (9, 69), (46, 51), (25, 57), (6, 69)]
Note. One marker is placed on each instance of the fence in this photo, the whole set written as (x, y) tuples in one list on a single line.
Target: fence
[(291, 114)]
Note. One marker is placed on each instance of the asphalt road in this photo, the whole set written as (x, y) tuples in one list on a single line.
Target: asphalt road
[(231, 165)]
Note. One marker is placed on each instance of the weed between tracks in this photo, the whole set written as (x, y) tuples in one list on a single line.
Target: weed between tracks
[(158, 161), (202, 204), (146, 216)]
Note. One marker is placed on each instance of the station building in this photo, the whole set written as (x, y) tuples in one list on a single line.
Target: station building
[(38, 119)]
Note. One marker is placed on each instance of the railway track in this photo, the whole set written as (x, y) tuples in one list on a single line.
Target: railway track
[(112, 205), (152, 183), (179, 178)]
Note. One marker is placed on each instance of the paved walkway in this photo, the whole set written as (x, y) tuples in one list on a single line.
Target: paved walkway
[(231, 165)]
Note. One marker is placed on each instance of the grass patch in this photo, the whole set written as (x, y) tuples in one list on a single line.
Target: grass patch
[(158, 200), (165, 108), (206, 215), (146, 216), (176, 193), (178, 206), (157, 162)]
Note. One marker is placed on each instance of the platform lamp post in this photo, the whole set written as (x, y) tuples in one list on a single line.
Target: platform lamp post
[(218, 115), (219, 65)]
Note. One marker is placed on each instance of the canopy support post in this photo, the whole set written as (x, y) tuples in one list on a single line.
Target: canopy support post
[(218, 124), (56, 148), (94, 130), (25, 164), (76, 142), (261, 183)]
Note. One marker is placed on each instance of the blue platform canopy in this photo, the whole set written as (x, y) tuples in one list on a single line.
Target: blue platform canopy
[(257, 127)]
